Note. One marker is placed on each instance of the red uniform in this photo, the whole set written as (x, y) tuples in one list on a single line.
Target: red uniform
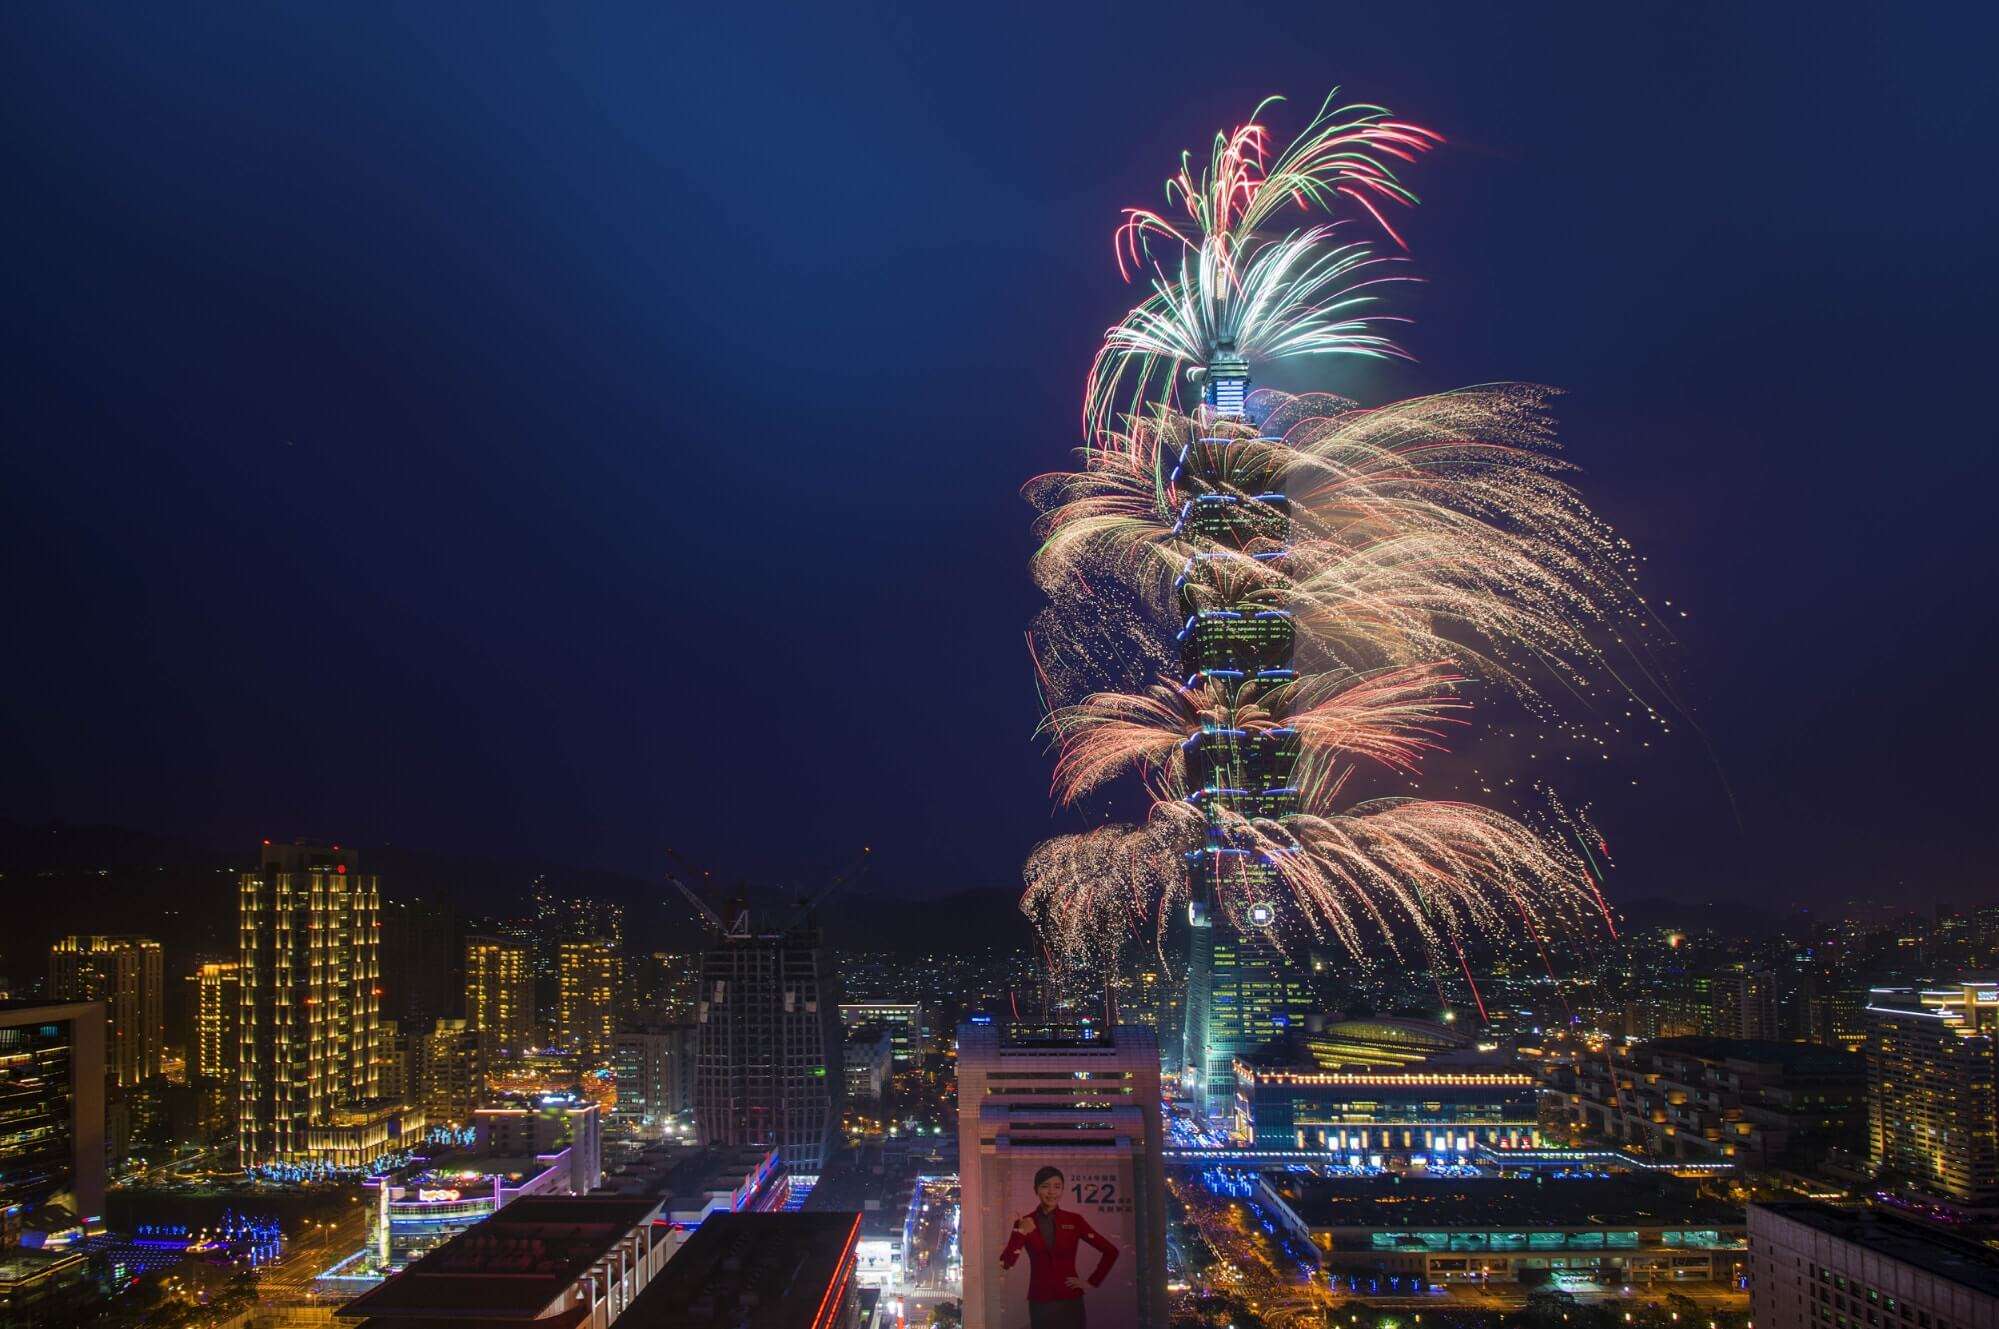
[(1049, 1269)]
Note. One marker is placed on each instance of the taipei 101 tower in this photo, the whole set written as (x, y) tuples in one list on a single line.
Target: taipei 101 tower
[(1242, 992)]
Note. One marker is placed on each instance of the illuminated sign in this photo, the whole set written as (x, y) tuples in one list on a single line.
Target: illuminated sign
[(435, 1197), (1261, 915)]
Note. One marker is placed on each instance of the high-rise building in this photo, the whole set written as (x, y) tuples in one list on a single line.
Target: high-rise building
[(52, 1084), (1933, 1090), (311, 1017), (769, 1067), (587, 1000), (1242, 990), (448, 1066), (654, 1069), (1812, 1266), (499, 992), (217, 1049), (1086, 1102), (124, 973)]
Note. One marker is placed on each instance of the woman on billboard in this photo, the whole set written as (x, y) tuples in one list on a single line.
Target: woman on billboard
[(1050, 1236)]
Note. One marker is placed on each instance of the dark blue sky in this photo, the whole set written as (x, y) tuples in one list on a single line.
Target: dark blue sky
[(576, 434)]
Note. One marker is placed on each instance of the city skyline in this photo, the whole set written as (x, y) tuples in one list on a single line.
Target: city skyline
[(1561, 241)]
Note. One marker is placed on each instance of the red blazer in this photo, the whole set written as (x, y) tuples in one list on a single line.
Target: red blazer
[(1050, 1269)]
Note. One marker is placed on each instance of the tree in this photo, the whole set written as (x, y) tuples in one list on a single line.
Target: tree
[(947, 1314)]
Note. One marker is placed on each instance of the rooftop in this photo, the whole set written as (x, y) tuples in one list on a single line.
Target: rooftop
[(1401, 1204), (750, 1271), (1965, 1263), (1796, 1058), (513, 1266)]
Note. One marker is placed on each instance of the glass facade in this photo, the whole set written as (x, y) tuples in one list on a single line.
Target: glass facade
[(1242, 990)]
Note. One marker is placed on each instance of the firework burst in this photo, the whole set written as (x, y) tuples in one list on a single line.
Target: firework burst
[(1253, 600)]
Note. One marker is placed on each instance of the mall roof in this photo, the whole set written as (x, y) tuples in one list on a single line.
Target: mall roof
[(750, 1271), (511, 1267)]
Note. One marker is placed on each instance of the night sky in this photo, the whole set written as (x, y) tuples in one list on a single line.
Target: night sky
[(577, 434)]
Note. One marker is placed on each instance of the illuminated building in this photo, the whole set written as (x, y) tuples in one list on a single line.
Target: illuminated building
[(1714, 1099), (448, 1068), (52, 1086), (424, 1210), (218, 1015), (547, 1124), (654, 1069), (1380, 1042), (764, 1271), (1242, 992), (1816, 1267), (1086, 1101), (574, 1261), (904, 1020), (1933, 1090), (1435, 1231), (586, 1002), (768, 1066), (310, 1031), (499, 992), (1411, 1114), (125, 974)]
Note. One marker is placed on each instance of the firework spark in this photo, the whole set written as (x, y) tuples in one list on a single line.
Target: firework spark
[(1345, 574)]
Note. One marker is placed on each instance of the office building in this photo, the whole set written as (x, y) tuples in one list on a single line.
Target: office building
[(1815, 1267), (547, 1124), (1432, 1232), (757, 1271), (587, 998), (310, 1029), (448, 1071), (907, 1027), (1087, 1102), (1748, 1102), (575, 1261), (52, 1085), (654, 1070), (1933, 1090), (1377, 1118), (499, 993), (1242, 989), (769, 1068), (869, 1064), (126, 975)]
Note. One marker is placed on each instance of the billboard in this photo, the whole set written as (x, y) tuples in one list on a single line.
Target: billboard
[(1100, 1190)]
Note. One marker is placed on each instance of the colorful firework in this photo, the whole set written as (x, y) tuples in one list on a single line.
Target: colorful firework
[(1375, 563)]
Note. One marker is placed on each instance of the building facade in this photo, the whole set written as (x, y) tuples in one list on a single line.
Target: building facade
[(1749, 1102), (309, 1030), (654, 1070), (52, 1083), (1815, 1267), (448, 1071), (499, 993), (545, 1125), (1388, 1116), (1933, 1090), (1087, 1103), (768, 1065), (587, 998), (1243, 991), (126, 975)]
